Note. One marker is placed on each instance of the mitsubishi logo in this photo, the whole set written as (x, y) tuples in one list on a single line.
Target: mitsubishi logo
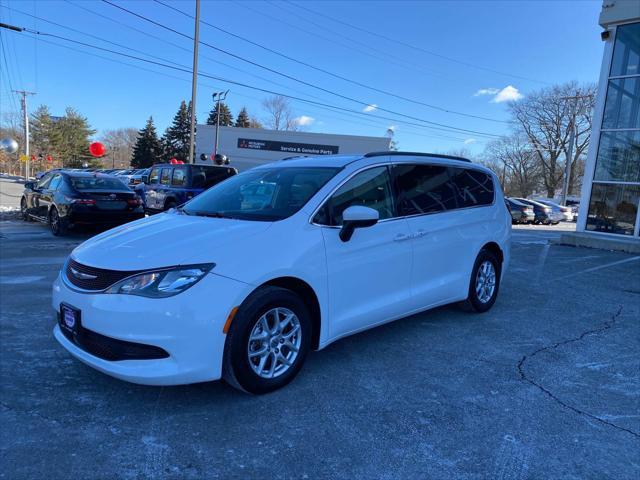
[(82, 276)]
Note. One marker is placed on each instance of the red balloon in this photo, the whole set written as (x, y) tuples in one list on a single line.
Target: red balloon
[(173, 161), (97, 149), (49, 158)]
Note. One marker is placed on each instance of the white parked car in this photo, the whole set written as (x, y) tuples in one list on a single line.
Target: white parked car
[(242, 288)]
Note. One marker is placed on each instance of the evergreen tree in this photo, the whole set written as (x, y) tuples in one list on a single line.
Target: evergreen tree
[(44, 135), (73, 133), (226, 118), (148, 149), (243, 119), (176, 138)]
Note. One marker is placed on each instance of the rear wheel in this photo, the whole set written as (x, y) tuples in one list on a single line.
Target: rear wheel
[(58, 225), (484, 283), (268, 341)]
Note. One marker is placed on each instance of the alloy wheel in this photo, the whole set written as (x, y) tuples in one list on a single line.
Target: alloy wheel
[(485, 281), (274, 343)]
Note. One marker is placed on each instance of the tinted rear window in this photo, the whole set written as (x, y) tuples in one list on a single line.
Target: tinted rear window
[(97, 183), (205, 176), (474, 188), (424, 189)]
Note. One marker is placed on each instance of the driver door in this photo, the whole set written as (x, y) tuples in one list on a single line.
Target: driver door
[(369, 275)]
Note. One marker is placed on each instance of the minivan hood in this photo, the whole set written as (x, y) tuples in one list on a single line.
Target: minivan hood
[(165, 240)]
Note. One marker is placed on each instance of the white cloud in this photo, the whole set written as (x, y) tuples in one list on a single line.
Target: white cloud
[(486, 91), (304, 120), (469, 141), (370, 108), (507, 94)]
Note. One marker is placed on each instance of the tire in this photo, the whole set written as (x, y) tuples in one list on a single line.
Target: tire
[(238, 369), (58, 225), (23, 210), (474, 302), (169, 205)]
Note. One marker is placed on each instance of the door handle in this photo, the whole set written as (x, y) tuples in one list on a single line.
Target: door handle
[(401, 237)]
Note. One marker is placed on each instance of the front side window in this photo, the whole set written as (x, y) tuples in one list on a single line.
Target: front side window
[(424, 189), (154, 176), (44, 181), (55, 182), (262, 194), (371, 188), (165, 176)]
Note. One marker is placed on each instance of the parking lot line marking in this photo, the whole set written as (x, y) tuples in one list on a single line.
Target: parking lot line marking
[(600, 267)]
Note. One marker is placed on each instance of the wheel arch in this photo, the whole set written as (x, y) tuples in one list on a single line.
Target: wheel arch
[(494, 248), (308, 296)]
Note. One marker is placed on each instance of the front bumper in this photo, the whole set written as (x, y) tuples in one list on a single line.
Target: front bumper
[(188, 326)]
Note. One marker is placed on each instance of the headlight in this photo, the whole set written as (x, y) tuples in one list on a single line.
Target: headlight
[(162, 283)]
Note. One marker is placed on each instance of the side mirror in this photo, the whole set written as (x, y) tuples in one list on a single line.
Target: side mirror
[(357, 217), (29, 185), (145, 179)]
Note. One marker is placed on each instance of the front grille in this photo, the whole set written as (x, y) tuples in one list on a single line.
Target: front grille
[(112, 349), (103, 278)]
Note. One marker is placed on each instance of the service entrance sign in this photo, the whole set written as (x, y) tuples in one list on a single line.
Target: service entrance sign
[(288, 147)]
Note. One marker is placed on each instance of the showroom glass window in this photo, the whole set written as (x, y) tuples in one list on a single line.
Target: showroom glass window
[(615, 193)]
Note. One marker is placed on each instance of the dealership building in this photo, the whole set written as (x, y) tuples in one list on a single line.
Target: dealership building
[(610, 198), (249, 147)]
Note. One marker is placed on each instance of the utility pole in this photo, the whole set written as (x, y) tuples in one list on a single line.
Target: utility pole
[(196, 41), (219, 96), (573, 133), (25, 113)]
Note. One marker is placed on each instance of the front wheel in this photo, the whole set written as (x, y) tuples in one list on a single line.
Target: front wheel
[(23, 210), (484, 283), (268, 341)]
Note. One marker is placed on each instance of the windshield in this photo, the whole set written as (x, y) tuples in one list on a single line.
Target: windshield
[(97, 183), (266, 194)]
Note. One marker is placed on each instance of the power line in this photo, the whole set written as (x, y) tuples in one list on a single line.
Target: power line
[(290, 77), (327, 72), (7, 73), (233, 82), (415, 47), (306, 31), (349, 116), (158, 38)]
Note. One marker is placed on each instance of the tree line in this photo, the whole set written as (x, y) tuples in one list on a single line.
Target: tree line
[(150, 148)]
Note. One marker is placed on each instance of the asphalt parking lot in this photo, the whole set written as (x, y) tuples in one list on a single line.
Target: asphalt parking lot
[(545, 385)]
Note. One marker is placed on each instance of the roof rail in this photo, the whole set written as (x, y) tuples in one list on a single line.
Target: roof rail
[(415, 154)]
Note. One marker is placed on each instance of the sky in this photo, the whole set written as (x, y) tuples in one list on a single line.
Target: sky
[(440, 74)]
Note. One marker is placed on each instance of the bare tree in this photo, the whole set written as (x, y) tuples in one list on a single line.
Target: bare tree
[(280, 114), (119, 143), (545, 117), (516, 163)]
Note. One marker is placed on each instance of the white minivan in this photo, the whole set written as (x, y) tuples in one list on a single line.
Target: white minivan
[(242, 281)]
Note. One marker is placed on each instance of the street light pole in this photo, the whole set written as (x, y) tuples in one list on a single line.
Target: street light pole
[(219, 96), (25, 113), (194, 78)]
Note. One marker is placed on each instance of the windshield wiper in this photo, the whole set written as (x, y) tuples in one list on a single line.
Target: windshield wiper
[(211, 214)]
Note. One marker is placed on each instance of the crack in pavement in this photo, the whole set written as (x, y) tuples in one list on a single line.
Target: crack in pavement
[(523, 375)]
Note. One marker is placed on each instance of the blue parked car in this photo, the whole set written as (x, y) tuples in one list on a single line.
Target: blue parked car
[(169, 185)]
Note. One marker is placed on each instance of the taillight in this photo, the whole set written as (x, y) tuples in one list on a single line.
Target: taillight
[(134, 202)]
